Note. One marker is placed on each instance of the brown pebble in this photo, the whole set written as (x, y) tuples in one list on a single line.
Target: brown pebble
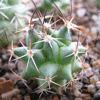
[(97, 62), (86, 97), (6, 86), (55, 98), (0, 62), (2, 79), (27, 97), (86, 65), (8, 95), (18, 97)]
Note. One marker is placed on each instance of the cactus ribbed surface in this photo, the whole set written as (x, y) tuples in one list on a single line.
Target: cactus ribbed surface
[(52, 57)]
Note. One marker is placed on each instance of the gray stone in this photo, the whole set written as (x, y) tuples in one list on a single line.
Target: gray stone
[(91, 89), (98, 45), (78, 85), (97, 95), (77, 93), (94, 79), (85, 80), (88, 72)]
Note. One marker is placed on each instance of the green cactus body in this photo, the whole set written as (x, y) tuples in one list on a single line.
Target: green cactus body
[(10, 22), (47, 4), (53, 65)]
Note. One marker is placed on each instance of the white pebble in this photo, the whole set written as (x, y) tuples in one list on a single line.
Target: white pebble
[(81, 12)]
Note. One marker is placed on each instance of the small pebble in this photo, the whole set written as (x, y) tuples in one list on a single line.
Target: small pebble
[(27, 97), (92, 57), (6, 86), (77, 93), (64, 98), (97, 95), (21, 84), (23, 91), (2, 79), (97, 62), (2, 71), (79, 5), (16, 97), (85, 80), (86, 97), (88, 72), (74, 38), (5, 57), (50, 97), (78, 99), (94, 30), (91, 61), (55, 98), (0, 62), (98, 45), (86, 65), (78, 85), (94, 79), (8, 95), (84, 20), (98, 85), (85, 86), (95, 49), (94, 17), (93, 11), (41, 98), (8, 75), (95, 68), (81, 12), (91, 89), (22, 66), (11, 66)]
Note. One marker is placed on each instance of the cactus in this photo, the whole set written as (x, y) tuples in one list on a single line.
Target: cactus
[(11, 19), (47, 4), (50, 56)]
